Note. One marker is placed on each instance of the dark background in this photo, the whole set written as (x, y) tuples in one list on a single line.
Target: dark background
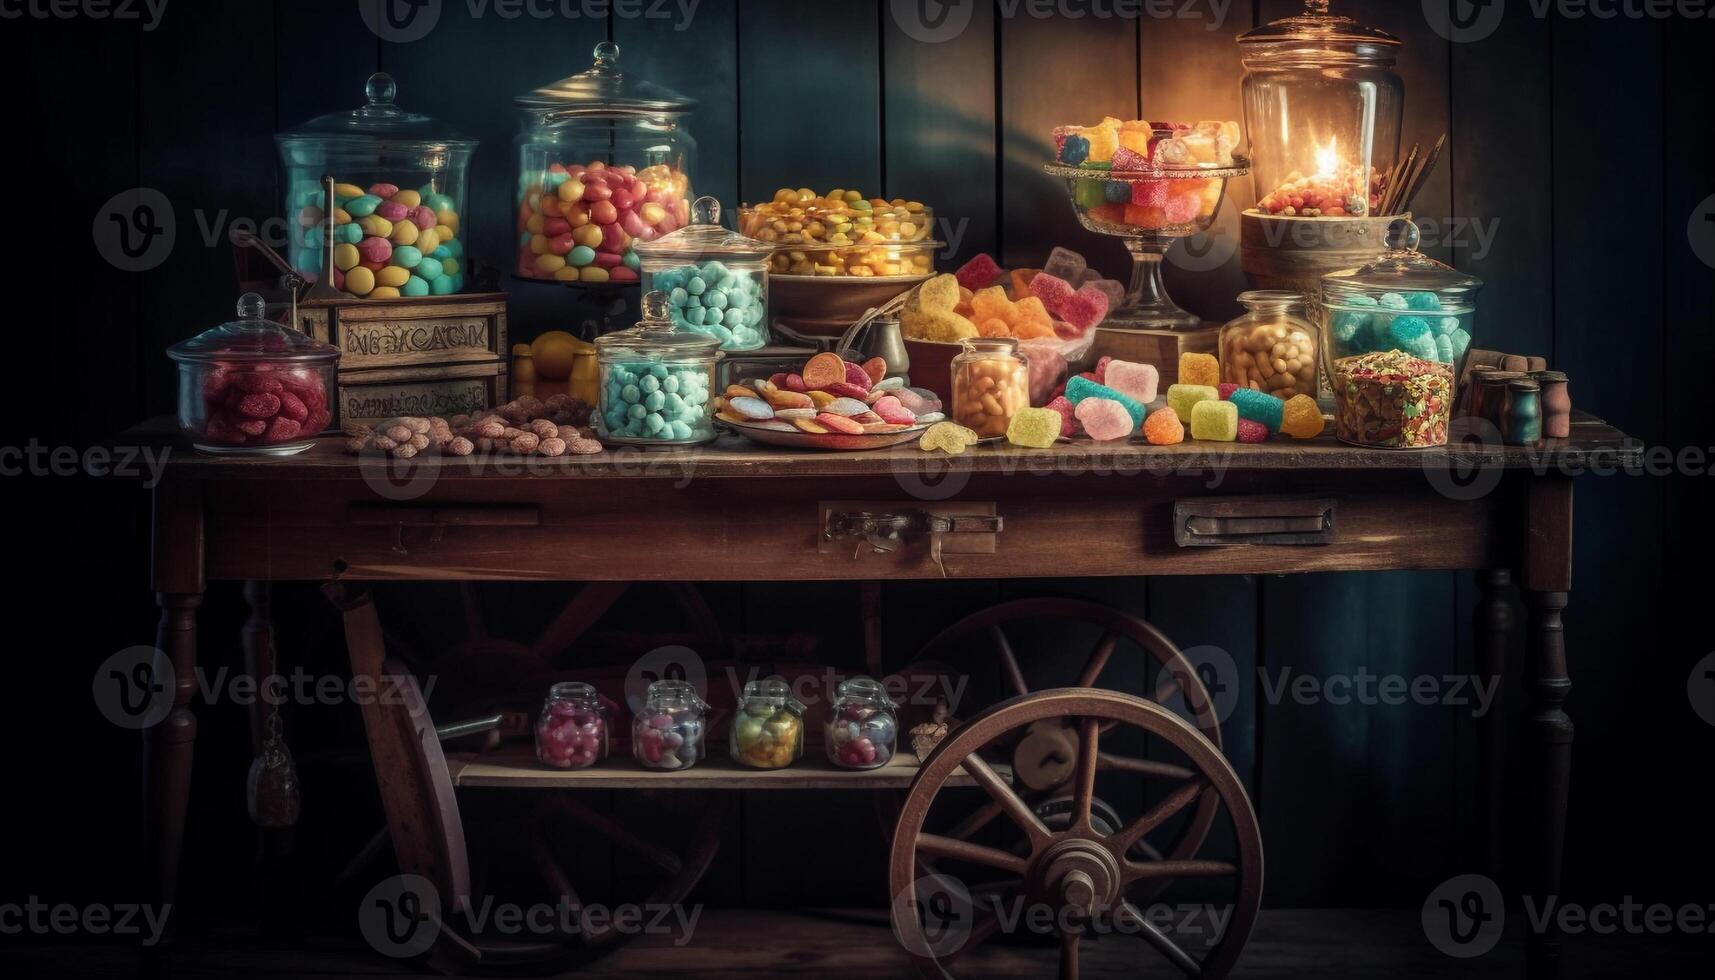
[(1585, 140)]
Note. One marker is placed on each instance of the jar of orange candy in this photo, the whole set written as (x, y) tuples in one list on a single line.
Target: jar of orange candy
[(991, 383)]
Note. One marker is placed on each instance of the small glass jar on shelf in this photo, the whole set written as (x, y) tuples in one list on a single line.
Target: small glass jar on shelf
[(1272, 347), (768, 731), (604, 162), (254, 386), (863, 731), (991, 383), (656, 382), (716, 280), (399, 179), (669, 732), (572, 730)]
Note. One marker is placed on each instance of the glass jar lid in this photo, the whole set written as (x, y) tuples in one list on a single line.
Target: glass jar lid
[(773, 693), (1316, 26), (705, 238), (603, 90), (668, 695), (990, 345), (1402, 270), (863, 689), (576, 691), (1271, 300), (378, 120), (251, 337), (656, 335)]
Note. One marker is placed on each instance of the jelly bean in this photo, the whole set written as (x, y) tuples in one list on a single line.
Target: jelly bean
[(392, 211), (444, 286), (392, 276), (348, 234), (427, 269), (550, 263), (416, 286), (589, 236), (347, 192), (404, 233), (376, 225), (595, 274), (581, 256), (407, 257), (345, 257), (361, 206), (604, 212), (375, 249), (627, 204), (559, 245), (428, 241), (423, 217), (385, 292), (408, 198)]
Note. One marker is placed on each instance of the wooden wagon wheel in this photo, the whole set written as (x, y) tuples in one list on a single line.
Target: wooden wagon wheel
[(1086, 876), (1045, 756), (427, 830)]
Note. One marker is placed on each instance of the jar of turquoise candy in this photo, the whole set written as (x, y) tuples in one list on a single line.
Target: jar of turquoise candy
[(716, 280), (1404, 301), (656, 382)]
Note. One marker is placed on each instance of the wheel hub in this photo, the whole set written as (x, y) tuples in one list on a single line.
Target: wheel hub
[(1079, 872)]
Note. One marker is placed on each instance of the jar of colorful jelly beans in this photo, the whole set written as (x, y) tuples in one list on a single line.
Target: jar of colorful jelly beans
[(656, 381), (768, 731), (668, 732), (1405, 301), (863, 731), (991, 382), (1272, 347), (604, 162), (395, 224), (572, 732), (716, 280)]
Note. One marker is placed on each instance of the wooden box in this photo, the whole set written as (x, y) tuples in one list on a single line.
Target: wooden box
[(432, 355), (1158, 347)]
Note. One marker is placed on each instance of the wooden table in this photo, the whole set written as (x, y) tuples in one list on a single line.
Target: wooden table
[(737, 512)]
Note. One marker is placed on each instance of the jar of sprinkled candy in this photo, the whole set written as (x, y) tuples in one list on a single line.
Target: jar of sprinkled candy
[(1404, 301), (863, 731), (668, 733), (768, 731), (571, 732), (716, 280), (656, 381)]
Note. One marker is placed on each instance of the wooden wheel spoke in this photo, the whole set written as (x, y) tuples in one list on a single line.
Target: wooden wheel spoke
[(1009, 660), (1098, 659), (661, 857), (1069, 941), (1135, 871), (1010, 802), (1157, 815), (1084, 780), (1163, 943), (963, 850), (983, 816), (1143, 767)]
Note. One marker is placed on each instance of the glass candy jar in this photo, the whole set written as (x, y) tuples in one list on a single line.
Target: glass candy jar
[(254, 386), (1403, 301), (716, 280), (1323, 107), (768, 731), (572, 732), (398, 199), (1272, 348), (604, 161), (668, 732), (656, 382), (863, 731), (991, 382)]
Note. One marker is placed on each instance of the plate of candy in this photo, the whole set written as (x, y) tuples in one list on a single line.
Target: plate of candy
[(831, 404)]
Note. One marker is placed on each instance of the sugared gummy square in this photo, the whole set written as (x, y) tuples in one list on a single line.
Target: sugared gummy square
[(1302, 418), (980, 273), (1080, 388), (1163, 428), (1258, 407), (1199, 369), (1034, 428), (1140, 381), (1105, 419), (1182, 397), (1213, 420)]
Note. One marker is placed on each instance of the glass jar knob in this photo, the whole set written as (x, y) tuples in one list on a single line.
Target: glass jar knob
[(380, 89), (251, 307), (607, 55), (657, 311), (706, 210), (1404, 234)]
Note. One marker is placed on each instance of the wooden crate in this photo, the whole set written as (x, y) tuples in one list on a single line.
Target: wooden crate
[(431, 355), (1158, 347)]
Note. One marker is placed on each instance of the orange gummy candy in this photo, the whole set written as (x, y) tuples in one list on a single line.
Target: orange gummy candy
[(823, 370), (1163, 428)]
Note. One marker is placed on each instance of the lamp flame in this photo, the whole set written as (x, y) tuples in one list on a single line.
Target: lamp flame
[(1328, 158)]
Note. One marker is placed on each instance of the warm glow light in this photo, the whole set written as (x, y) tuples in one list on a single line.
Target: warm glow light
[(1328, 158)]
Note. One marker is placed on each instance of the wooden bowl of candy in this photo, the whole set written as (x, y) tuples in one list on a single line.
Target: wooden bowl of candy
[(831, 404), (826, 306)]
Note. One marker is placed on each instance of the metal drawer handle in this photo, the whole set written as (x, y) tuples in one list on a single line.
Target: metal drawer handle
[(1228, 521)]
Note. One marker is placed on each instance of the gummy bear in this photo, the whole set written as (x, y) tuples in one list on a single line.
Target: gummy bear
[(1163, 428), (1199, 369), (1213, 420), (1034, 428), (1301, 418)]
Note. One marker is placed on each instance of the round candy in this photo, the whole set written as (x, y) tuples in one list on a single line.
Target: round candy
[(375, 249), (407, 257), (359, 281)]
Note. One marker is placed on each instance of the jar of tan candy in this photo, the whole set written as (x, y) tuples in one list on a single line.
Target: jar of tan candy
[(1272, 347), (991, 382)]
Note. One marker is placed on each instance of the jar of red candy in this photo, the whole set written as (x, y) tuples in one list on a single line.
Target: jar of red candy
[(604, 163), (863, 731), (253, 386), (668, 732), (572, 730)]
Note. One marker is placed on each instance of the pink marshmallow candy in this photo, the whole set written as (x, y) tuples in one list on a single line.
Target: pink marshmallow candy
[(1140, 381), (1104, 419)]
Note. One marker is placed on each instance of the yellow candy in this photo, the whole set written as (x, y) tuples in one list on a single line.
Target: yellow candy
[(428, 241), (535, 225), (550, 262), (345, 192), (594, 273), (1199, 369), (384, 292), (1215, 421), (376, 225), (449, 218), (821, 399), (1302, 418), (444, 233), (567, 274), (588, 235), (571, 190), (345, 257), (359, 281), (1136, 141), (449, 266), (405, 233), (392, 276), (940, 293), (340, 216), (951, 437), (408, 198), (1104, 140), (539, 244), (1034, 428)]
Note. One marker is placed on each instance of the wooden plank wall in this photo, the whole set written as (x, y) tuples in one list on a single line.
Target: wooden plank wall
[(1589, 263)]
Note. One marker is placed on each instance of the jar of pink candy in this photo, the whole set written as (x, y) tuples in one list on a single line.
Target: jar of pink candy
[(604, 163), (863, 731), (571, 732), (668, 732)]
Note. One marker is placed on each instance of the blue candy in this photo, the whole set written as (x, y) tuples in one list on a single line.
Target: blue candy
[(1393, 301), (1412, 335), (1118, 192), (1075, 152), (1423, 301), (1258, 407), (1080, 388)]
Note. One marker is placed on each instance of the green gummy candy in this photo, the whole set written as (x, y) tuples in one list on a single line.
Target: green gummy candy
[(1215, 421), (1183, 399), (1034, 428), (1080, 388)]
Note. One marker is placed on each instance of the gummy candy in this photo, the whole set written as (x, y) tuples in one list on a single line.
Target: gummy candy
[(1113, 289), (1031, 320), (1213, 420), (1261, 408), (1068, 416), (1163, 428), (1128, 158), (1021, 280), (1422, 301), (1252, 432), (751, 408), (991, 304), (1301, 418), (1101, 371), (949, 437), (823, 370), (1199, 369), (1080, 388), (1085, 309), (1412, 335), (1150, 193), (1034, 428), (1065, 264), (1051, 290), (1075, 150), (1104, 140), (1105, 419), (1182, 397), (980, 272), (1140, 381), (1393, 301), (1226, 389), (890, 410), (839, 423)]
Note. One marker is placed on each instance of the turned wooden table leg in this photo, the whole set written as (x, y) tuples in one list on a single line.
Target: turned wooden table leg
[(169, 746), (1493, 634), (260, 660), (1548, 579)]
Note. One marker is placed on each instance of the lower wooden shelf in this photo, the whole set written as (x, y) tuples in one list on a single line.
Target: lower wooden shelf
[(515, 767)]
